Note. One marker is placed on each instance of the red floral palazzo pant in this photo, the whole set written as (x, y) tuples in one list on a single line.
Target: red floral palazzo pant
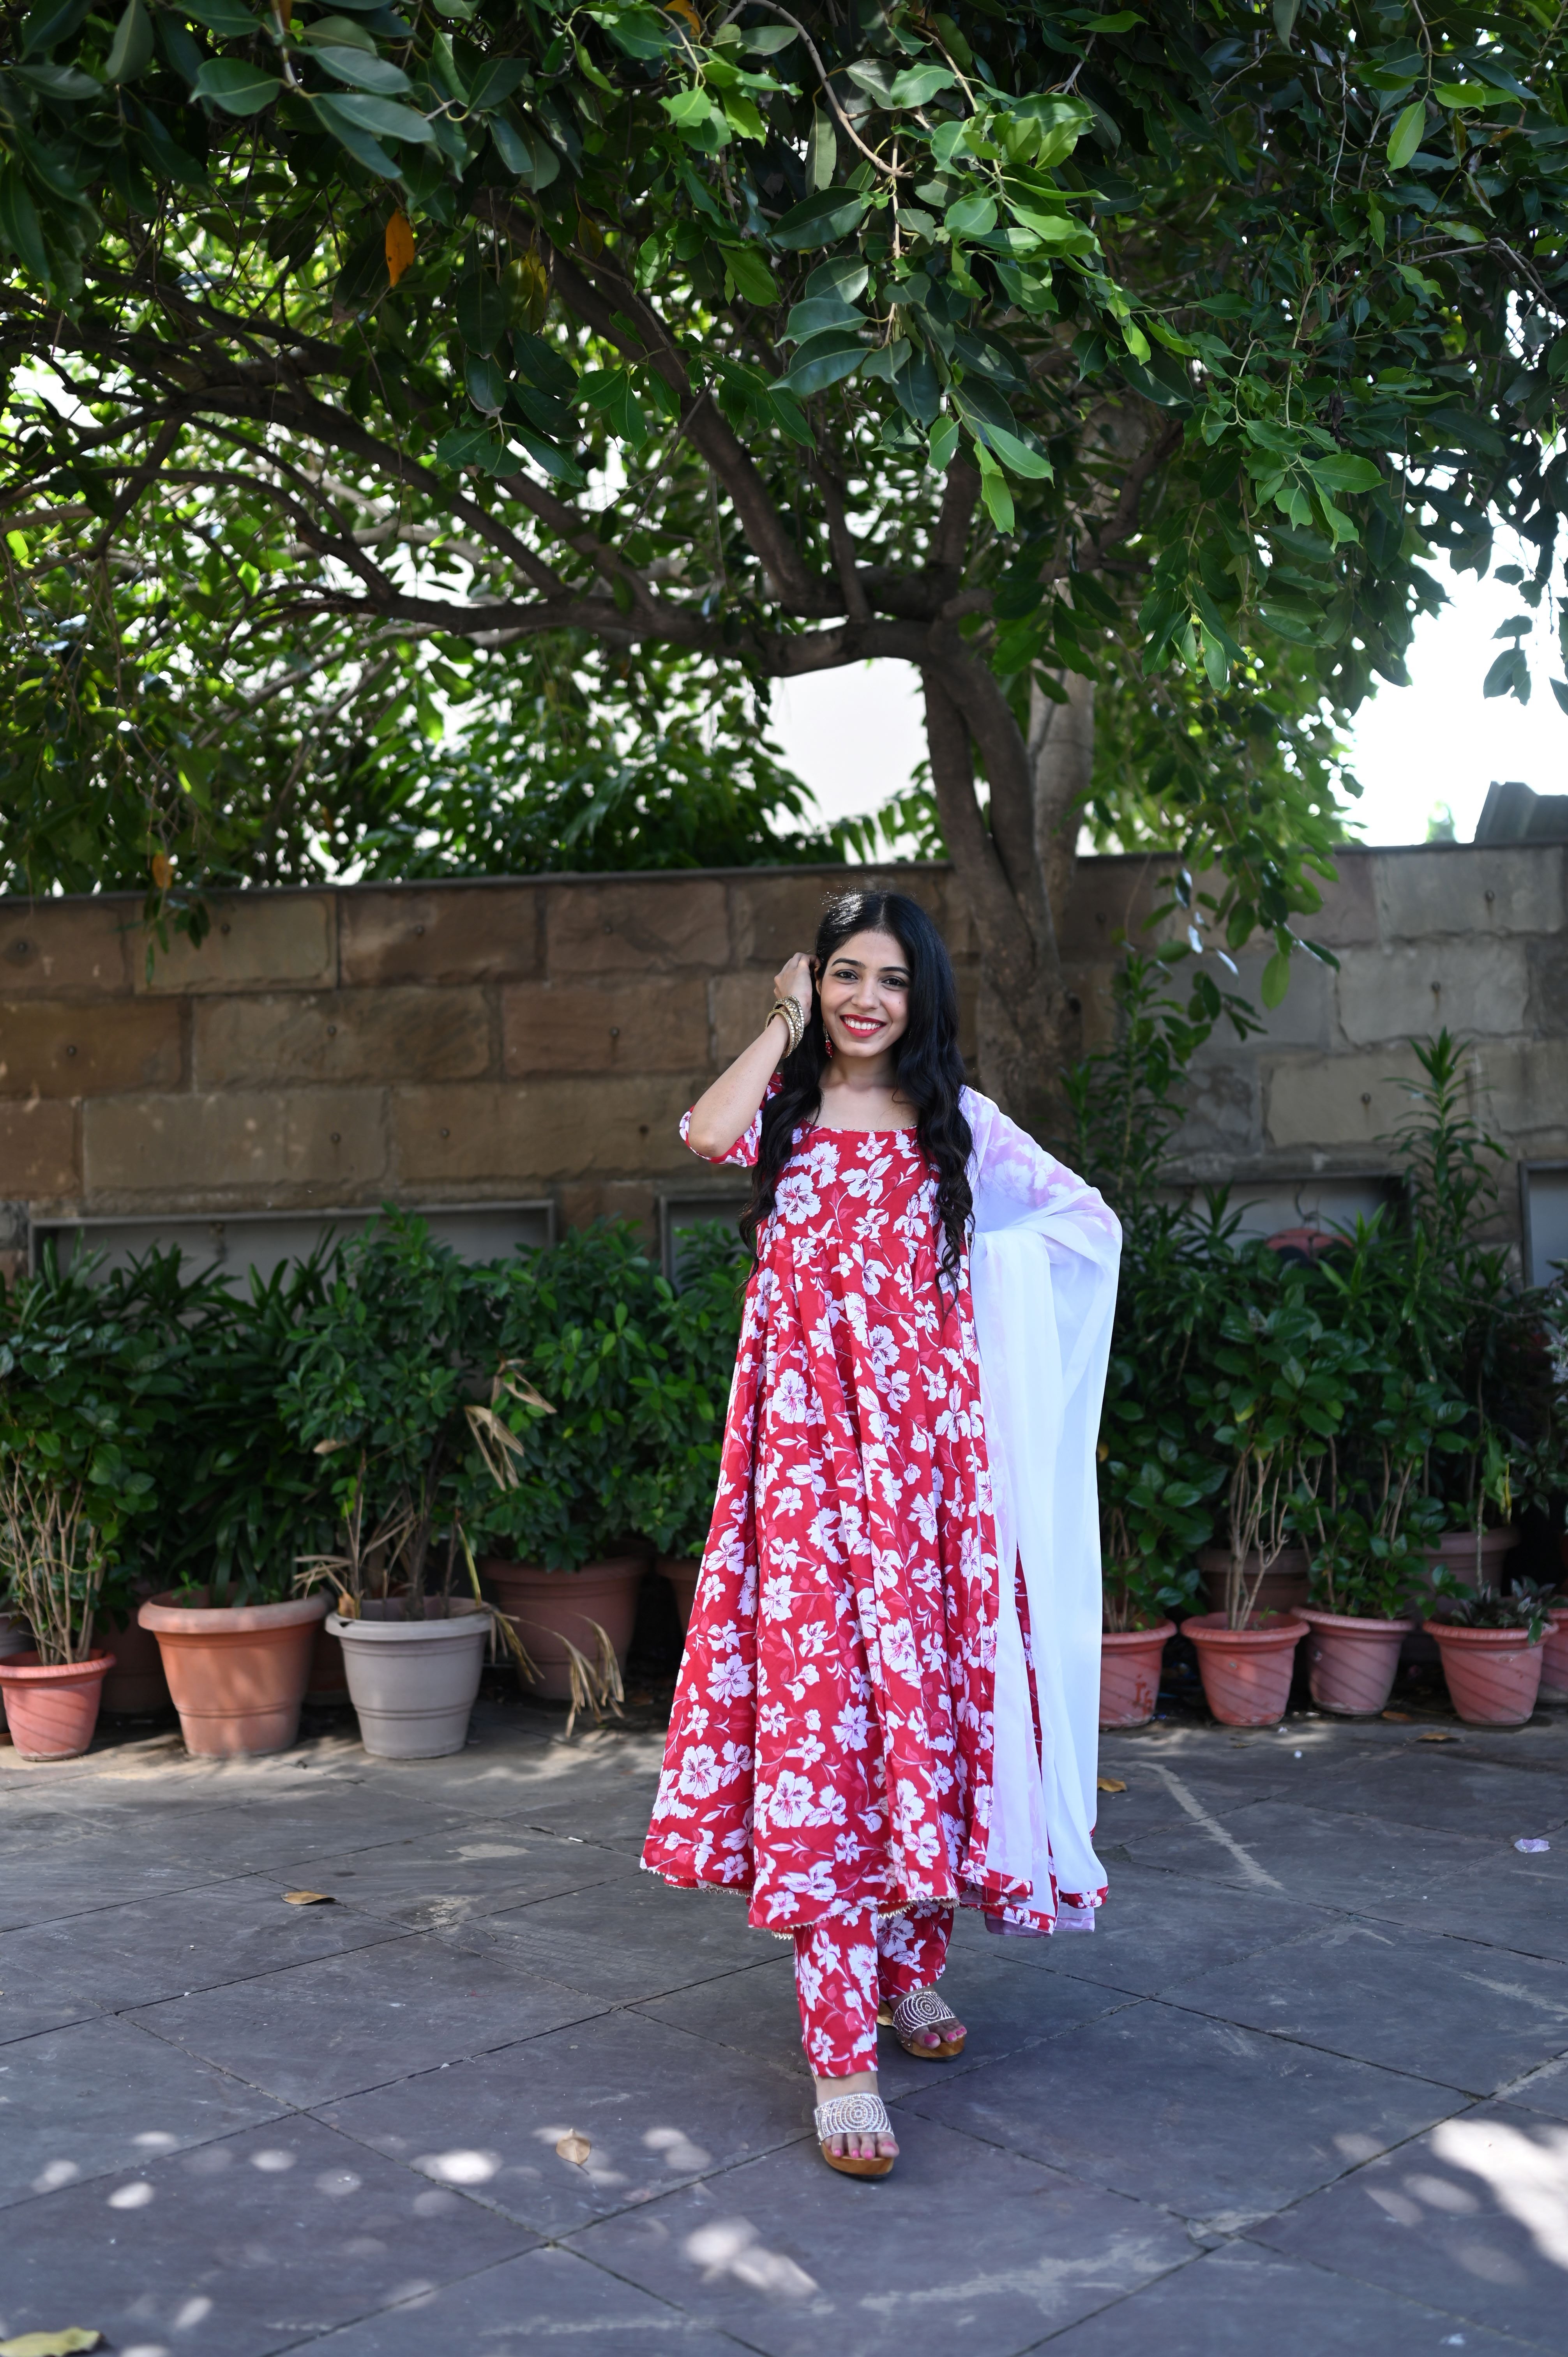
[(848, 1963)]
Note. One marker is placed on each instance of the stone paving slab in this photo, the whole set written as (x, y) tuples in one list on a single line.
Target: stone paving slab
[(962, 2249), (257, 2243), (1473, 2216), (1241, 2116)]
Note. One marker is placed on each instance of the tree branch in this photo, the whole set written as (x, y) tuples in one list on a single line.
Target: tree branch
[(968, 840)]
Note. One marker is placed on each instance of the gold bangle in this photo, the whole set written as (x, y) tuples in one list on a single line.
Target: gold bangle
[(794, 1021)]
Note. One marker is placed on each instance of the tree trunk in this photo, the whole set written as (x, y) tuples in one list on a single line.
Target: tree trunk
[(1014, 872)]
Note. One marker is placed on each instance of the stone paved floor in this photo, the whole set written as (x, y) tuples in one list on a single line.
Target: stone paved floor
[(1305, 2089)]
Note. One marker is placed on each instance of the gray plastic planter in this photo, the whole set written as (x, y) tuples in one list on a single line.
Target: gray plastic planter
[(414, 1682)]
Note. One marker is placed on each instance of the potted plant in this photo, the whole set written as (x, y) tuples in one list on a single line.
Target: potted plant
[(1154, 1508), (1370, 1524), (1491, 1648), (566, 1551), (83, 1390), (241, 1499), (385, 1385), (676, 1484), (1276, 1388)]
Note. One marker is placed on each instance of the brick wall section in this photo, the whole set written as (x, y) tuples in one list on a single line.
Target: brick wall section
[(471, 1041)]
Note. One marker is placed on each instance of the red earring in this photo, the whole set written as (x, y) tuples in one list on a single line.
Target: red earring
[(827, 1043)]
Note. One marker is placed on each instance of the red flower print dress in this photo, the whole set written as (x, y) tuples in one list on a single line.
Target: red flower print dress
[(831, 1742)]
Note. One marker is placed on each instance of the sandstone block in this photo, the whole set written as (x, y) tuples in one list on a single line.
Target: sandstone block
[(612, 1199), (1476, 889), (1520, 1090), (1305, 1017), (342, 1036), (1548, 1008), (737, 1005), (54, 1050), (38, 1148), (55, 948), (1408, 991), (1349, 911), (521, 1132), (257, 941), (325, 1143), (646, 1025), (441, 932), (1110, 897), (1329, 1103), (648, 926)]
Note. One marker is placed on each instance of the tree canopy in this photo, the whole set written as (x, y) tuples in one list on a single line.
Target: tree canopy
[(1151, 353)]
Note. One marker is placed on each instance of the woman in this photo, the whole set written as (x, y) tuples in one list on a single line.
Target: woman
[(861, 1737)]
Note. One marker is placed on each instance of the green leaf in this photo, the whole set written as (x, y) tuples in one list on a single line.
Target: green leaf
[(821, 360), (971, 216), (525, 152), (943, 443), (364, 73), (338, 32), (993, 491), (821, 219), (351, 135), (496, 81), (1405, 136), (1276, 979), (918, 83), (486, 382), (1344, 472), (752, 278), (1461, 93), (236, 87), (19, 224), (482, 305), (226, 18), (53, 21), (131, 50), (381, 116)]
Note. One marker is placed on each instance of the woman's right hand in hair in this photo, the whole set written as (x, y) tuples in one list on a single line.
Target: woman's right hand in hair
[(793, 980), (723, 1113)]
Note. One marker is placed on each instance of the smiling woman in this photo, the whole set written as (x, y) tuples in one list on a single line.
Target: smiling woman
[(863, 1739)]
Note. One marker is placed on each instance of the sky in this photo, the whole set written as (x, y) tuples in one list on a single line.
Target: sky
[(855, 736)]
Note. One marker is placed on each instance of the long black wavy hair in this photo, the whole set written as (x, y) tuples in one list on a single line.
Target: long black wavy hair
[(927, 1065)]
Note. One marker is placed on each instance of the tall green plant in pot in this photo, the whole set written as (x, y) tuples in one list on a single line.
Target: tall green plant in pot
[(588, 1325), (677, 1488), (1156, 1478), (86, 1384), (391, 1382)]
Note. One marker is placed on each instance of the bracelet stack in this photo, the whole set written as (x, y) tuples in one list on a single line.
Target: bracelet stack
[(794, 1021)]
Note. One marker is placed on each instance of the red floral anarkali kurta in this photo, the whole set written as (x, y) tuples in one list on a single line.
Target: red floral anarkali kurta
[(830, 1743)]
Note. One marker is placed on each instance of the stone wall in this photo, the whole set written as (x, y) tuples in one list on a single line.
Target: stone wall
[(474, 1043)]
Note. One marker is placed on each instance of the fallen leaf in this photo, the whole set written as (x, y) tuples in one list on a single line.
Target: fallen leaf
[(1110, 1784), (1402, 1716), (308, 1898), (63, 2343), (574, 2148), (1436, 1735)]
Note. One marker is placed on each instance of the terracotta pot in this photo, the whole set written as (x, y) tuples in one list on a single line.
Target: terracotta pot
[(1554, 1659), (682, 1572), (543, 1607), (1246, 1673), (1130, 1673), (1493, 1674), (414, 1682), (1284, 1584), (1456, 1553), (237, 1673), (135, 1687), (15, 1637), (1352, 1661), (52, 1707)]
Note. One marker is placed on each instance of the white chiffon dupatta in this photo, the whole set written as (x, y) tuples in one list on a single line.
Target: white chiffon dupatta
[(1043, 1263)]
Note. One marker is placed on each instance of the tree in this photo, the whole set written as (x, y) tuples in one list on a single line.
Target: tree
[(1028, 344)]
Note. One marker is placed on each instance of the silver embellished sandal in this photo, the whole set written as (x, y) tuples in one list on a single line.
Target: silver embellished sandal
[(860, 2113), (923, 2009)]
